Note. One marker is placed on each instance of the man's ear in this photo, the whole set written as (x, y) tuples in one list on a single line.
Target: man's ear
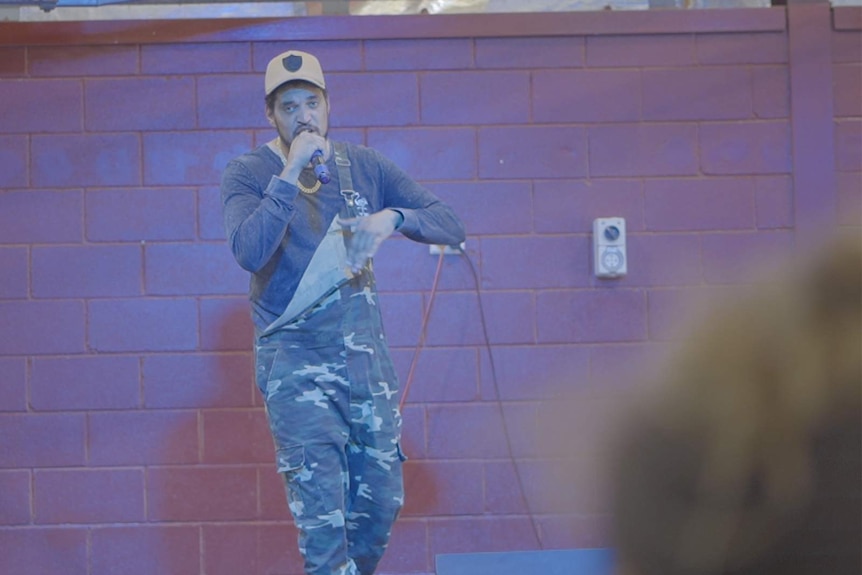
[(269, 115)]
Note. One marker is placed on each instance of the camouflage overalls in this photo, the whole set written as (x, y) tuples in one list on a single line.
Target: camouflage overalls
[(327, 377), (330, 392)]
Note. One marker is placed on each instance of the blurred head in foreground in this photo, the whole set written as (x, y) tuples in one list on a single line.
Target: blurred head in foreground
[(746, 461)]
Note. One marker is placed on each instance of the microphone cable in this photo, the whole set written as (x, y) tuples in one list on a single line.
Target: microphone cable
[(522, 492), (422, 332), (498, 399)]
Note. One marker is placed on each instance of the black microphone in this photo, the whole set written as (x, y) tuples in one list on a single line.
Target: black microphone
[(320, 169)]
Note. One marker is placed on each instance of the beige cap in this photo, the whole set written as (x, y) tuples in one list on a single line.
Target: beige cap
[(293, 65)]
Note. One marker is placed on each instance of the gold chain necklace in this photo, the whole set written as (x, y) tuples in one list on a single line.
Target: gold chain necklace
[(302, 188)]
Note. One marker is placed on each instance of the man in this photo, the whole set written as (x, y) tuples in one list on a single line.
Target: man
[(321, 359)]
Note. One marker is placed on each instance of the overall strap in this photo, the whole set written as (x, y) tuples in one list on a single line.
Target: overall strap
[(357, 206)]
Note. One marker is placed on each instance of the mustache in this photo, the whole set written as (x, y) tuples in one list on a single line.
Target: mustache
[(306, 128)]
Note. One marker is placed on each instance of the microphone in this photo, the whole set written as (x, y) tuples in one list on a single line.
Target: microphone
[(320, 169)]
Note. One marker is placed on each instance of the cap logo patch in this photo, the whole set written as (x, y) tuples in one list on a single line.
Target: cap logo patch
[(292, 63)]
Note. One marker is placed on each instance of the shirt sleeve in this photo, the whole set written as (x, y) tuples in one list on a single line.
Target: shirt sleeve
[(255, 219), (427, 219)]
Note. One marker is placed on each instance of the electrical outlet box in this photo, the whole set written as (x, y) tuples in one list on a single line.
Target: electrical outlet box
[(609, 247), (434, 249)]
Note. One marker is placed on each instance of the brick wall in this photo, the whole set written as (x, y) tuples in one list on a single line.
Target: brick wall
[(847, 86), (132, 439)]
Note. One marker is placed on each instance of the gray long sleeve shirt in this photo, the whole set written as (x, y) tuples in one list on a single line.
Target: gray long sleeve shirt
[(273, 229)]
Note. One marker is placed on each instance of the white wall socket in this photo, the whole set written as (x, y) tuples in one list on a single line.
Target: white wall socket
[(609, 247), (434, 249)]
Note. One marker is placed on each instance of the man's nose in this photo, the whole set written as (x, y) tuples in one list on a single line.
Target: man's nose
[(304, 115)]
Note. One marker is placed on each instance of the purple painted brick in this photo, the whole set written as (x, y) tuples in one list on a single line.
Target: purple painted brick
[(407, 266), (419, 54), (749, 48), (254, 547), (446, 487), (730, 258), (659, 50), (535, 372), (470, 431), (535, 262), (41, 106), (402, 317), (774, 201), (586, 96), (140, 214), (98, 382), (429, 153), (83, 60), (502, 492), (195, 58), (671, 311), (232, 436), (441, 375), (143, 325), (42, 440), (24, 551), (847, 89), (226, 324), (86, 271), (14, 279), (373, 99), (40, 327), (135, 104), (13, 384), (13, 161), (846, 46), (532, 152), (198, 380), (662, 259), (492, 533), (88, 496), (15, 504), (602, 315), (334, 55), (86, 160), (850, 198), (146, 550), (413, 436), (571, 206), (37, 216), (191, 158), (771, 85), (175, 494), (190, 269), (159, 438), (510, 317), (699, 204), (230, 101), (456, 319), (746, 148), (528, 53), (13, 61), (471, 97), (697, 94), (848, 145), (489, 207), (408, 548), (210, 217), (643, 150)]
